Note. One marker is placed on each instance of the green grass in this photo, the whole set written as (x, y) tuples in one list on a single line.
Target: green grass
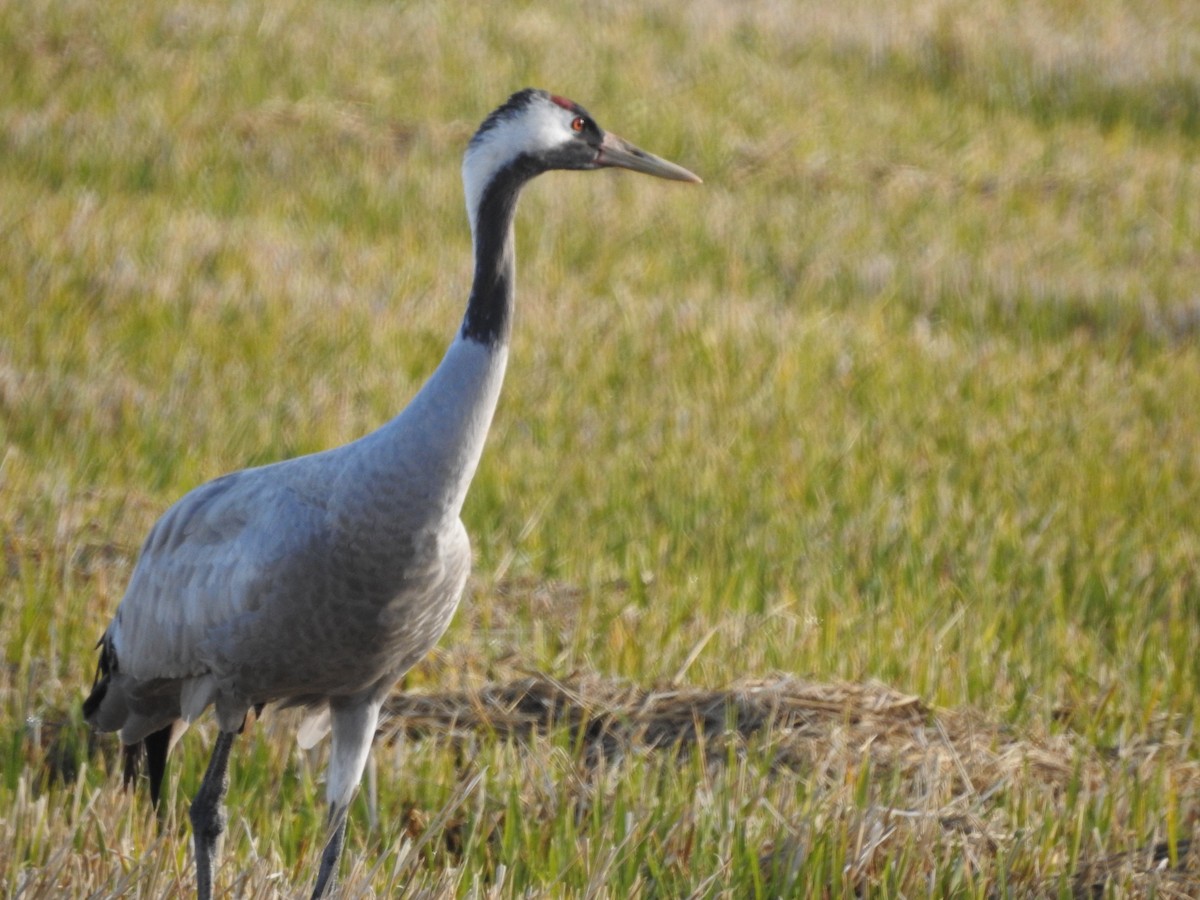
[(908, 391)]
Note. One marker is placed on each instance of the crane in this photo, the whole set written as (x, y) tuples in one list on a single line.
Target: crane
[(319, 581)]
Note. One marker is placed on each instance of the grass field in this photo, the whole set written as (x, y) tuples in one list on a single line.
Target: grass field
[(865, 476)]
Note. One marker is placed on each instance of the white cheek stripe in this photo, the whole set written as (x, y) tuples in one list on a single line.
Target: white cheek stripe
[(538, 128)]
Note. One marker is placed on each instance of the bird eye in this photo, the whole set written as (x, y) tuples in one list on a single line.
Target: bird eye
[(578, 123)]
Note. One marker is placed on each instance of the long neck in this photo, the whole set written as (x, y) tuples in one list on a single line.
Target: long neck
[(489, 311), (424, 459)]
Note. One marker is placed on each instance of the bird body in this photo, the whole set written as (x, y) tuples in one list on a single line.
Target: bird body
[(320, 580), (352, 559)]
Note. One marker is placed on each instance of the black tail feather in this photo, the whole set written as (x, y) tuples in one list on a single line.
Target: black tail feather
[(158, 745), (106, 667), (155, 745), (131, 755)]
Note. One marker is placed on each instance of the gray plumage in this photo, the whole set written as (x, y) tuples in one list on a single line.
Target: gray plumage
[(320, 580), (327, 575)]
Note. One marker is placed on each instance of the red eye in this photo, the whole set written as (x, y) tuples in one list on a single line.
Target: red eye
[(577, 124)]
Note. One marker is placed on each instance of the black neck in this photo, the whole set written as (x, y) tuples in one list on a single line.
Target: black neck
[(489, 311)]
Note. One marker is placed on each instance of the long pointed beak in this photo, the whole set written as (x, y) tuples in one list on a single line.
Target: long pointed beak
[(618, 152)]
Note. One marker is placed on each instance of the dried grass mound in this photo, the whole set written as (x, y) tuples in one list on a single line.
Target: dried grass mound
[(610, 716), (954, 766)]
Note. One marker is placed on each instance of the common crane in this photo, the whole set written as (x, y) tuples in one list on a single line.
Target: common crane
[(318, 581)]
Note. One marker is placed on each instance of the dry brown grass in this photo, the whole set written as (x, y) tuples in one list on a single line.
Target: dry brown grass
[(958, 769), (891, 774)]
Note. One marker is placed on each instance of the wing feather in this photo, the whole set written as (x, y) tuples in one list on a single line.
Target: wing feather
[(206, 563)]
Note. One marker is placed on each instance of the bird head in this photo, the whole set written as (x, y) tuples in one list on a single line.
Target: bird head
[(535, 131)]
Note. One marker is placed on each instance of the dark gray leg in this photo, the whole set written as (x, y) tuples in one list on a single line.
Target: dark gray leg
[(208, 813), (332, 852)]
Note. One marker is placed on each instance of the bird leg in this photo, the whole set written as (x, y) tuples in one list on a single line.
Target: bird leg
[(353, 726), (332, 852), (207, 813)]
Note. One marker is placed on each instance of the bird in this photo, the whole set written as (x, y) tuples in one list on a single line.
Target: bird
[(318, 581)]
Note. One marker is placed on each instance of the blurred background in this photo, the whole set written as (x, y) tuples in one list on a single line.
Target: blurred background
[(907, 392)]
